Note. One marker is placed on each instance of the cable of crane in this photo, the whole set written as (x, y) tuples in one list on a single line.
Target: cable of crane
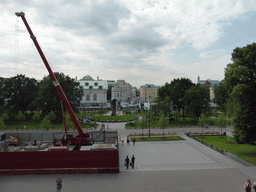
[(17, 46)]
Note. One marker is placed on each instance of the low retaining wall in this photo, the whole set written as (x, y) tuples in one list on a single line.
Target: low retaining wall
[(59, 162), (237, 159), (243, 162)]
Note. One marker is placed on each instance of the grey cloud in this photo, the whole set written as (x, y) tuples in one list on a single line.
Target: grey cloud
[(144, 38), (86, 17)]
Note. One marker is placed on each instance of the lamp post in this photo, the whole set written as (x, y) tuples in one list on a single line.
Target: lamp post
[(149, 124)]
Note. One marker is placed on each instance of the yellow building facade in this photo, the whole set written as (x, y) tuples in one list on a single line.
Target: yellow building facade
[(148, 92)]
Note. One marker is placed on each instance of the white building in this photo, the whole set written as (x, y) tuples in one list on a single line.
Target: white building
[(95, 91)]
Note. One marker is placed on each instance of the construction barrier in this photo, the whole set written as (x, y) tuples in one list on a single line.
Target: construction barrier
[(59, 162)]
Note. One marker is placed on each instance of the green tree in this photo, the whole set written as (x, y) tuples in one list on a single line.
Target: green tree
[(69, 122), (2, 97), (18, 92), (221, 97), (46, 123), (52, 116), (163, 122), (176, 91), (143, 122), (37, 116), (197, 100), (48, 97), (21, 117), (2, 124), (176, 114), (221, 121), (240, 82), (203, 121)]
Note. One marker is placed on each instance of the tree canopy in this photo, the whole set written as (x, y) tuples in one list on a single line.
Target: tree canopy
[(176, 91), (240, 82), (48, 97), (18, 92), (221, 97), (197, 100)]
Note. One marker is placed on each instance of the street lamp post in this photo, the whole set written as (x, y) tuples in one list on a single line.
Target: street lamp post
[(149, 124)]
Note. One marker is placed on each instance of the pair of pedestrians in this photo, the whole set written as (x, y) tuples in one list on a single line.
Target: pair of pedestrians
[(127, 162)]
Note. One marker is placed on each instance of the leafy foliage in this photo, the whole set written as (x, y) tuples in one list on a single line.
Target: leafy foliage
[(69, 122), (176, 92), (163, 122), (220, 96), (18, 92), (46, 123), (2, 124), (197, 100), (37, 116), (48, 97), (203, 121), (240, 82), (143, 122), (221, 121)]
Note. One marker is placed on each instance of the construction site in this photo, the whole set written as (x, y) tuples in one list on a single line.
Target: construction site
[(46, 152), (38, 152)]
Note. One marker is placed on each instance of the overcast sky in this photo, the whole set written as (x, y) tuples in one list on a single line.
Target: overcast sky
[(140, 41)]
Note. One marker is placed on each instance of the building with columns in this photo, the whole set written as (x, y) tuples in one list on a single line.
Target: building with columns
[(95, 91), (121, 91)]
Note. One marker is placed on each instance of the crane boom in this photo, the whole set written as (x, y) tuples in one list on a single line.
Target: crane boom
[(55, 81)]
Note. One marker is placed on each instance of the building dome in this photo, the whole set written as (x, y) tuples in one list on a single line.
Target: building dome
[(87, 78)]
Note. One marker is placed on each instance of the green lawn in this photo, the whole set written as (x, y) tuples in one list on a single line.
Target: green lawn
[(167, 138), (114, 118), (243, 151)]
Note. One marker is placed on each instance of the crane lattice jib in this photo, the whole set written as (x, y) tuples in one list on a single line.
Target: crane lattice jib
[(55, 81)]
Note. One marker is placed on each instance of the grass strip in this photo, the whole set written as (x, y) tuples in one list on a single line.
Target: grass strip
[(246, 152), (167, 138)]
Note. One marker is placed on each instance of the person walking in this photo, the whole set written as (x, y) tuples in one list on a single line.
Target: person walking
[(133, 141), (59, 183), (247, 186), (3, 137), (133, 161), (127, 161), (128, 141), (254, 185)]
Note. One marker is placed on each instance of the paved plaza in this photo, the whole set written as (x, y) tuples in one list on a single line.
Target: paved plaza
[(159, 166)]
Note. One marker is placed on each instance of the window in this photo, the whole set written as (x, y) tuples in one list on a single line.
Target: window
[(87, 97), (90, 87), (100, 87), (95, 97), (95, 84), (86, 84)]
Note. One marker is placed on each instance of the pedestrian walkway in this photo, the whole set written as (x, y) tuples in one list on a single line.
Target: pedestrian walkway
[(174, 155), (174, 166)]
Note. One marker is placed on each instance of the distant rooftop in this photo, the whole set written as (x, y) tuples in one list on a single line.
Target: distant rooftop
[(149, 86), (87, 78)]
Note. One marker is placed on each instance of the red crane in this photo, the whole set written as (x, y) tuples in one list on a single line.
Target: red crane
[(82, 138)]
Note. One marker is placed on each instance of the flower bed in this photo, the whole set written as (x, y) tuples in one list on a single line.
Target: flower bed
[(152, 134)]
